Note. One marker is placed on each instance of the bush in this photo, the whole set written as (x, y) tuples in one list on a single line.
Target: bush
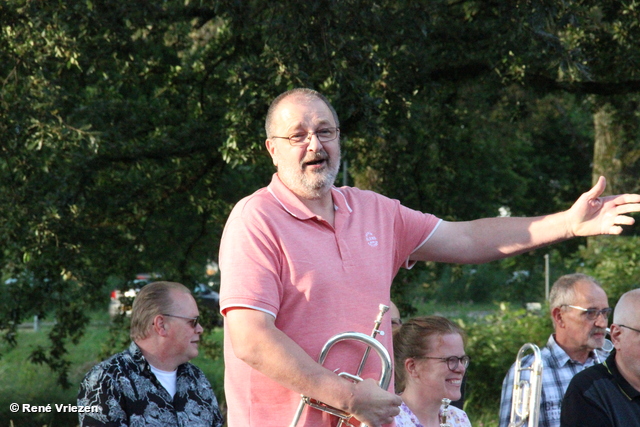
[(493, 343), (615, 262), (448, 284)]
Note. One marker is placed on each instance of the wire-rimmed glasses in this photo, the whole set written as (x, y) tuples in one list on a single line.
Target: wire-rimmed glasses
[(592, 313), (629, 327), (302, 138)]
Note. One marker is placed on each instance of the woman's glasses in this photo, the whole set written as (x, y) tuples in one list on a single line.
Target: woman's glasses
[(452, 361)]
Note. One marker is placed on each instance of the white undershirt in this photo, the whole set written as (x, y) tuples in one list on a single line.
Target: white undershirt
[(167, 379)]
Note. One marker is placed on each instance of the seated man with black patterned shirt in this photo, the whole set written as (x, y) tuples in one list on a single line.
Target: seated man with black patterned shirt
[(152, 383)]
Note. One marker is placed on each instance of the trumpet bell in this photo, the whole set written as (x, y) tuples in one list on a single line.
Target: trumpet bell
[(370, 343), (383, 382)]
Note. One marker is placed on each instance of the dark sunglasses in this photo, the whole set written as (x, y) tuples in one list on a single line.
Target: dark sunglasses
[(193, 320)]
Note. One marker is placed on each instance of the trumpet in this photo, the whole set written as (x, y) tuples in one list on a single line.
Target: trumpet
[(525, 400), (370, 342), (445, 412)]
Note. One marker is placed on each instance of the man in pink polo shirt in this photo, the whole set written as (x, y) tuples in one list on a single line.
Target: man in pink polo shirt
[(302, 260)]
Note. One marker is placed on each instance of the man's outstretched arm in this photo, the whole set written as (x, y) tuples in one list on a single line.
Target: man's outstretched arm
[(489, 239)]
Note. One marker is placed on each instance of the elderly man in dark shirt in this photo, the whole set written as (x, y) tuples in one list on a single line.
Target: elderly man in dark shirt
[(608, 395), (152, 383)]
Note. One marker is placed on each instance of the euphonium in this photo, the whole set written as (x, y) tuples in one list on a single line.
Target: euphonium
[(607, 346), (371, 342), (525, 400)]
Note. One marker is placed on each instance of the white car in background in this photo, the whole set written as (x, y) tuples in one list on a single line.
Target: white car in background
[(122, 301)]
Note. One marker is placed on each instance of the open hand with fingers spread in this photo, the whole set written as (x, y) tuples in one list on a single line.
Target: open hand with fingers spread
[(592, 215)]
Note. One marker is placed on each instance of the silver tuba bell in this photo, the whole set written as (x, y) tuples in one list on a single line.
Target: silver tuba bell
[(525, 400), (370, 342)]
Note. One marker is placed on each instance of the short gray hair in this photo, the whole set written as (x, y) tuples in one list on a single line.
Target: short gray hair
[(153, 299), (303, 92), (563, 291)]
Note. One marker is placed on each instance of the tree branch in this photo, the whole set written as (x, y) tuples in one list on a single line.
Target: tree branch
[(547, 84)]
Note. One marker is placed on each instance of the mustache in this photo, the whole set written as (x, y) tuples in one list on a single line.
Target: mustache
[(316, 157), (599, 331)]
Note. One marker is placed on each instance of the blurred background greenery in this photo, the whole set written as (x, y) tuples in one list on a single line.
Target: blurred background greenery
[(128, 130)]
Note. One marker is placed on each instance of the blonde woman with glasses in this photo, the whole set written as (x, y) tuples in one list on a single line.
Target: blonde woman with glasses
[(430, 363)]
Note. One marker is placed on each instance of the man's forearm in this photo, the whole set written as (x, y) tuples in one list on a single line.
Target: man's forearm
[(261, 345), (490, 239)]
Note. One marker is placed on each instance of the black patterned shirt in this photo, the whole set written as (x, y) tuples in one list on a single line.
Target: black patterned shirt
[(125, 393)]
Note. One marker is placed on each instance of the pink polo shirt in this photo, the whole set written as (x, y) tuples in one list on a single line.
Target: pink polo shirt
[(316, 280)]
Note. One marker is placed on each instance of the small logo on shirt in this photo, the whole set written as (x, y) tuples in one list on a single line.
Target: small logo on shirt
[(371, 240)]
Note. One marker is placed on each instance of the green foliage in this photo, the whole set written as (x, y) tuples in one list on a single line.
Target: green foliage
[(110, 157), (493, 343), (614, 261), (486, 283), (517, 280)]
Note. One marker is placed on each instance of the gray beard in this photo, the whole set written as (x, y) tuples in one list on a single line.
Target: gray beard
[(311, 188), (316, 188)]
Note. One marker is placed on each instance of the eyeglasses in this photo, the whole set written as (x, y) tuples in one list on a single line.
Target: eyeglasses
[(193, 320), (452, 361), (629, 327), (301, 138), (592, 313), (396, 321)]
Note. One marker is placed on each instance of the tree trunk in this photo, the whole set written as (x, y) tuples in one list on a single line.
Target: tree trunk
[(606, 153), (617, 148)]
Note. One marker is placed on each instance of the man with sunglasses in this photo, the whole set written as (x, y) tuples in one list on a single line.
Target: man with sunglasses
[(608, 395), (302, 260), (152, 383), (580, 313)]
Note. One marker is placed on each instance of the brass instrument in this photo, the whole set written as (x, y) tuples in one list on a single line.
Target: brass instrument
[(525, 400), (608, 346), (445, 412), (371, 342)]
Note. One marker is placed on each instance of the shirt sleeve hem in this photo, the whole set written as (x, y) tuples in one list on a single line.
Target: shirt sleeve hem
[(226, 308), (409, 263)]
